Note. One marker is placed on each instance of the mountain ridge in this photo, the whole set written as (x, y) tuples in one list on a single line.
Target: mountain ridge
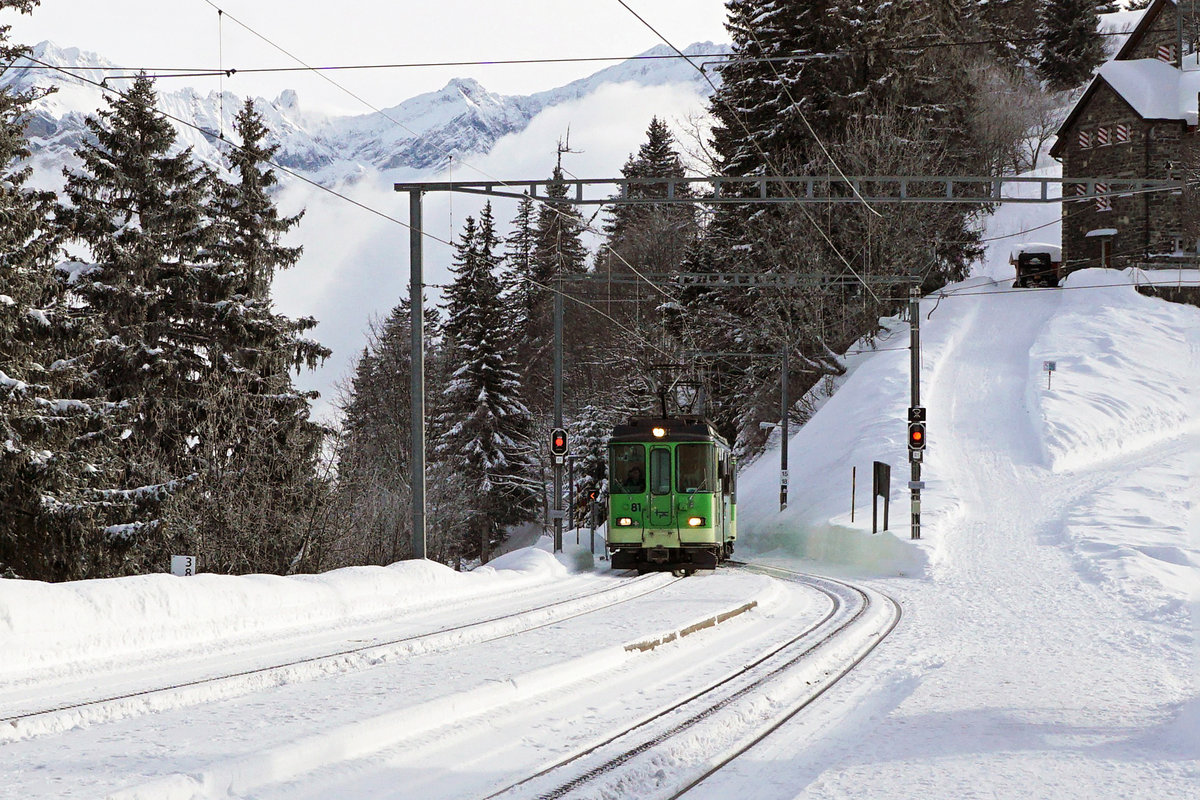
[(462, 118)]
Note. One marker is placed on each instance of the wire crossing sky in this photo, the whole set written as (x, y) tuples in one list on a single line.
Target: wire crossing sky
[(186, 32)]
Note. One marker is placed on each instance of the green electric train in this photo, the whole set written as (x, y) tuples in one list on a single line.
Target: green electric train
[(672, 496)]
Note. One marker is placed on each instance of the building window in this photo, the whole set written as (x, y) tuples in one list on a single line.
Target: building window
[(1102, 137), (1085, 139), (1122, 133), (1103, 203), (1166, 52)]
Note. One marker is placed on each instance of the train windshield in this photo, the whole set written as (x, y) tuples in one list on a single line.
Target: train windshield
[(627, 474), (695, 468)]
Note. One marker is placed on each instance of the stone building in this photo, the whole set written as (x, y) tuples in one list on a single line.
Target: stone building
[(1137, 119)]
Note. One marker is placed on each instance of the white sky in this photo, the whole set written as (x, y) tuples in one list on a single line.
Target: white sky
[(184, 33)]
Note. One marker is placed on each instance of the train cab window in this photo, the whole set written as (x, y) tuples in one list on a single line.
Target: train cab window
[(627, 474), (660, 471), (695, 468)]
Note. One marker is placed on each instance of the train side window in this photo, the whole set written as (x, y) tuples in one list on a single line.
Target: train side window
[(695, 467), (660, 471), (627, 475)]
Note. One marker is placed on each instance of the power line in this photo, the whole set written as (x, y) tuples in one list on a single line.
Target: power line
[(761, 151), (105, 87), (404, 127), (194, 72)]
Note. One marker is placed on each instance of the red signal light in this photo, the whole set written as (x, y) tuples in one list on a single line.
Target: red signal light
[(916, 436), (558, 442)]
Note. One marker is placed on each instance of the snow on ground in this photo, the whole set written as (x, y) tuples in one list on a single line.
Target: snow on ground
[(1050, 643), (1051, 610)]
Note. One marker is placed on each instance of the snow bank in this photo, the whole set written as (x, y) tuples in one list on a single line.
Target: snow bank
[(851, 429), (46, 625), (1127, 376)]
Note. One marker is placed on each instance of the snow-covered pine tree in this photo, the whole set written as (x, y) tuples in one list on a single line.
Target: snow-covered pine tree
[(762, 106), (253, 506), (1010, 28), (486, 436), (1071, 45), (516, 292), (657, 157), (639, 239), (589, 442), (856, 87), (557, 250), (55, 462), (138, 205)]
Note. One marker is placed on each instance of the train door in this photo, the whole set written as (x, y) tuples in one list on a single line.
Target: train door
[(662, 502), (726, 480)]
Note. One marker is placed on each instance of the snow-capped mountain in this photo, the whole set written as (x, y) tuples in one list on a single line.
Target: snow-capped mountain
[(463, 118)]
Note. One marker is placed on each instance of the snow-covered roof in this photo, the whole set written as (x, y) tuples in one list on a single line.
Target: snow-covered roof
[(1036, 247), (1155, 89), (1102, 232)]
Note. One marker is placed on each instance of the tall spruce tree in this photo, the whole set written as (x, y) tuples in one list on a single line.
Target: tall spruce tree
[(1071, 45), (253, 506), (486, 428), (57, 465), (137, 202), (517, 292), (640, 239)]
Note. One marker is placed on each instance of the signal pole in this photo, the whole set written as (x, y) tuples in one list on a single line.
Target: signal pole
[(416, 301), (915, 455), (783, 449), (558, 416)]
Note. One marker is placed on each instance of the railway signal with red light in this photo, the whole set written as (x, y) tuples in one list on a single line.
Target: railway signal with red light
[(558, 442), (916, 436)]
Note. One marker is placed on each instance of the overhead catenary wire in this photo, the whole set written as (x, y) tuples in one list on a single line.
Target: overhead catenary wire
[(767, 159), (105, 87), (385, 115), (199, 72), (348, 199)]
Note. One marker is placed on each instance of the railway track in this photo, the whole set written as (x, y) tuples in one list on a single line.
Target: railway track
[(659, 756), (47, 719)]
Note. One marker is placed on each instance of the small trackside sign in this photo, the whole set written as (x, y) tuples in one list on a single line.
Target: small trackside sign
[(183, 565)]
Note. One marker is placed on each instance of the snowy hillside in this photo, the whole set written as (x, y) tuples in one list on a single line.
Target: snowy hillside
[(1049, 645)]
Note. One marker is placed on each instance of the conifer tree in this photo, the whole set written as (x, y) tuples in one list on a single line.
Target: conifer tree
[(56, 466), (589, 436), (138, 205), (557, 251), (257, 450), (486, 428), (518, 294), (822, 88), (374, 492), (1071, 45)]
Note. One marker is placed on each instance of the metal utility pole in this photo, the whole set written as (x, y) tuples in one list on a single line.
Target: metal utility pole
[(416, 300), (915, 455), (785, 403), (558, 417)]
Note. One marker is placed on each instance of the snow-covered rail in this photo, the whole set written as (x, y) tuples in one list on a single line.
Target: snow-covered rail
[(99, 699), (668, 755)]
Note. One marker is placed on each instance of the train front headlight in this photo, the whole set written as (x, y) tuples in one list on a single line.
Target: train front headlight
[(695, 522), (624, 522)]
